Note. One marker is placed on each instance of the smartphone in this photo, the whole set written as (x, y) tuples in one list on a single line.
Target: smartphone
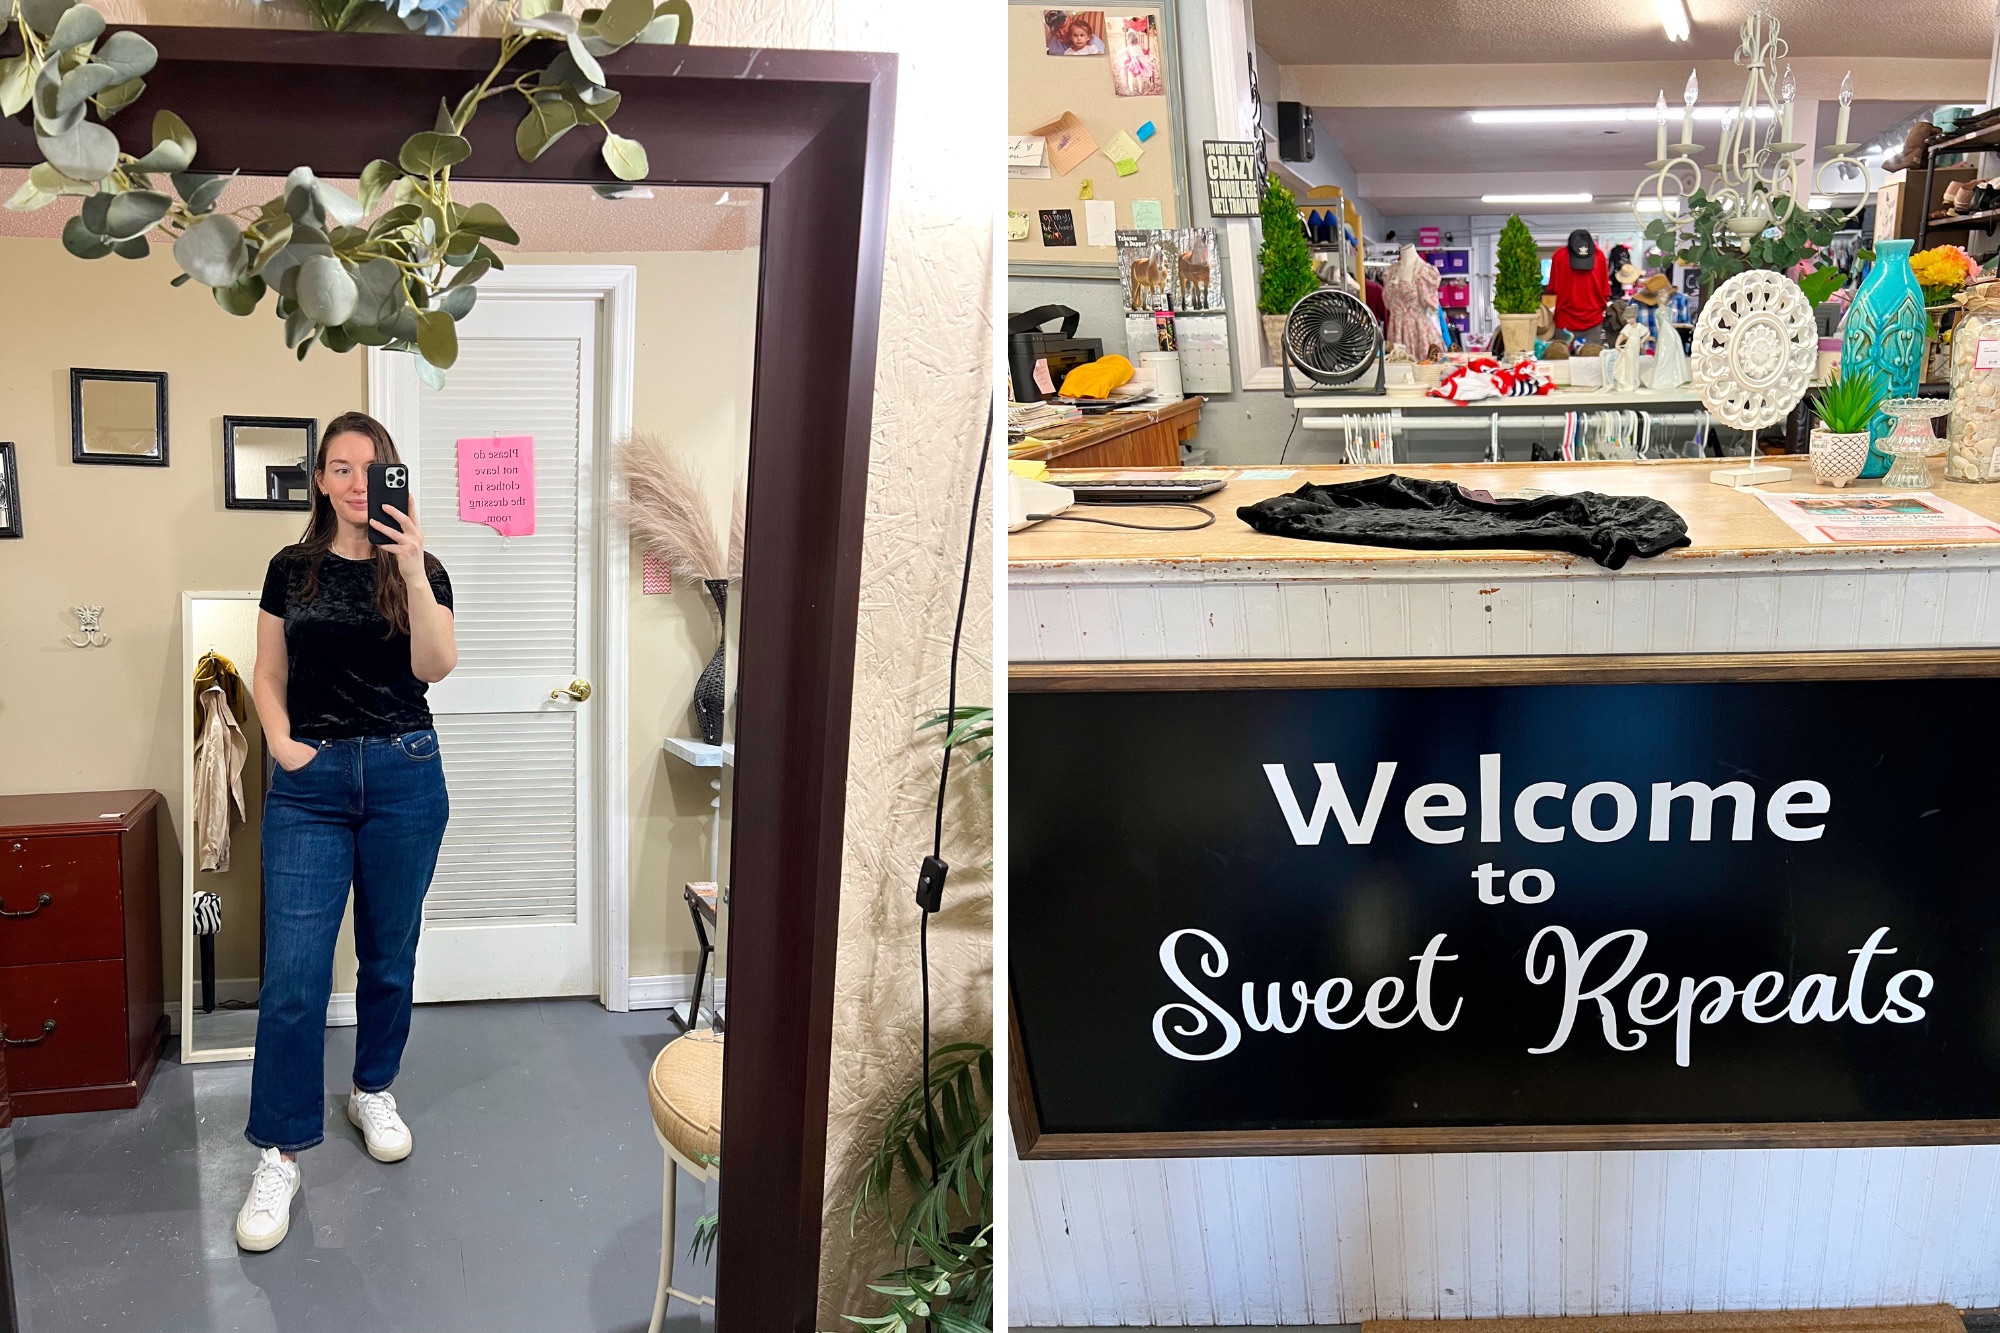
[(388, 484)]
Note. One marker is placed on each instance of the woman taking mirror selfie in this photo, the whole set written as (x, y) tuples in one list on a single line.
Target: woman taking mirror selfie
[(355, 623)]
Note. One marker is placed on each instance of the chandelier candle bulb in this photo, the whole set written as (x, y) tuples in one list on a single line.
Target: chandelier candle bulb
[(1660, 128), (1687, 107), (1846, 102)]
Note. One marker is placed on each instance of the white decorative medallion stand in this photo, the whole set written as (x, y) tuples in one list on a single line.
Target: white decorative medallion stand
[(1755, 345)]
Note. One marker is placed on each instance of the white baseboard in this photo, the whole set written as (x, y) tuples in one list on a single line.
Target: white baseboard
[(670, 991), (339, 1008)]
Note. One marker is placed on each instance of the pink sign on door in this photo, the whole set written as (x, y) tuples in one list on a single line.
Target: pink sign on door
[(496, 483)]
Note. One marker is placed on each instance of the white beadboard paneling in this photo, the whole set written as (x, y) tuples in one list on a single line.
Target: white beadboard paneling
[(510, 852), (1233, 1241)]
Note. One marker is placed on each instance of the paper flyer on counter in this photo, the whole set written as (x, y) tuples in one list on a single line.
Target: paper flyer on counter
[(1905, 516)]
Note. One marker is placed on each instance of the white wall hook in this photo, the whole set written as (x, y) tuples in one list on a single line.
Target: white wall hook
[(86, 622)]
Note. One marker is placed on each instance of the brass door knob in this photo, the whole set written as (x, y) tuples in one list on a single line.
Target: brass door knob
[(578, 690)]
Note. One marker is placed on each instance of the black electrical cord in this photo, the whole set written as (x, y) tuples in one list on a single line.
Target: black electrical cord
[(1208, 520), (930, 881)]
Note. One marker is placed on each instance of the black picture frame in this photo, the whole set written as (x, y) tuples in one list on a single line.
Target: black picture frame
[(79, 376), (10, 490), (230, 425)]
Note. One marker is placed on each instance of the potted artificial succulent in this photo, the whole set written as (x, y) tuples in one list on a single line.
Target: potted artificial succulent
[(1285, 266), (1845, 405), (1517, 287)]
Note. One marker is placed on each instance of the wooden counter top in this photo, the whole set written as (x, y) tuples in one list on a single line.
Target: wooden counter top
[(1721, 522)]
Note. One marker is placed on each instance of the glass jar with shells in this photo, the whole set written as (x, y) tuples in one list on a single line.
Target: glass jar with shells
[(1974, 451)]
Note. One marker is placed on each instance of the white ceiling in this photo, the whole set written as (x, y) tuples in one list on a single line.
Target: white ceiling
[(1442, 32)]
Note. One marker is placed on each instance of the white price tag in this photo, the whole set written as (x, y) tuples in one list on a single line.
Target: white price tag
[(1987, 355)]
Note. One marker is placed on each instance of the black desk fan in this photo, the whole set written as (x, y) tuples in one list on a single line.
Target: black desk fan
[(1331, 338)]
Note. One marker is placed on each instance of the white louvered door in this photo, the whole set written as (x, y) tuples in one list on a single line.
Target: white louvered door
[(511, 911)]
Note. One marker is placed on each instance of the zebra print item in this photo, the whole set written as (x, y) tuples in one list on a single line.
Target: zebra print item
[(207, 912)]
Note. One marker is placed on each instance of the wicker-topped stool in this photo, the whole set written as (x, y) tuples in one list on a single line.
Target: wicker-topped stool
[(684, 1088)]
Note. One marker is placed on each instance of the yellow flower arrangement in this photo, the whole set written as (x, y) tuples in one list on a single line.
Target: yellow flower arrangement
[(1942, 270)]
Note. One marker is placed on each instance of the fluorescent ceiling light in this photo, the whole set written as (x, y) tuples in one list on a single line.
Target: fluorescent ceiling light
[(1599, 115), (1672, 204), (1534, 198), (1674, 18)]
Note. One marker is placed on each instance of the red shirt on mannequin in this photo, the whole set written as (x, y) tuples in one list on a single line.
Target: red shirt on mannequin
[(1581, 294)]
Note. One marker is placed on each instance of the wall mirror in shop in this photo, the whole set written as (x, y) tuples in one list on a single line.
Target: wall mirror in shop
[(10, 492), (638, 471), (118, 416), (266, 462)]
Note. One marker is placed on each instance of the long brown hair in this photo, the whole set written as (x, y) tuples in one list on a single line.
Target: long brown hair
[(392, 598)]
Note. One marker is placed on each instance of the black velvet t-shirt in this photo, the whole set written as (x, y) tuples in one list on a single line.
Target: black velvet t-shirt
[(349, 671)]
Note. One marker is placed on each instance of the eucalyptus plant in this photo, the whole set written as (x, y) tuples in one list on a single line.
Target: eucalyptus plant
[(401, 280), (1703, 239)]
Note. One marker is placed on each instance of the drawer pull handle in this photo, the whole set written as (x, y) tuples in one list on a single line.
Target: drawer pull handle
[(48, 1026), (40, 903)]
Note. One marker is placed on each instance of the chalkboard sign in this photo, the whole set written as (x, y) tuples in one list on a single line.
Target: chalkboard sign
[(1553, 904)]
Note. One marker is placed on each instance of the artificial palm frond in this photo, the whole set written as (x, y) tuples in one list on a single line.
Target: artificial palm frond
[(666, 511)]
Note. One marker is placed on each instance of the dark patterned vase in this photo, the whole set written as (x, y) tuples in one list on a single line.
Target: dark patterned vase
[(708, 695), (1886, 333)]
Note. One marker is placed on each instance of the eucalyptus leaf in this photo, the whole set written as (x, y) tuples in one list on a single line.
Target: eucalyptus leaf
[(88, 152), (602, 103), (401, 326), (402, 215), (49, 121), (170, 128), (326, 290), (428, 153), (134, 212), (84, 82), (299, 326), (305, 347), (336, 339), (119, 96), (199, 191), (339, 206), (586, 63), (437, 338), (662, 31), (460, 245), (562, 72), (17, 85), (30, 197), (80, 241), (167, 156), (128, 53), (376, 178), (212, 250), (625, 157), (96, 214), (240, 298), (596, 45), (46, 177), (622, 21), (484, 220), (272, 243), (430, 374), (470, 274), (556, 22), (132, 247), (366, 335), (180, 280), (548, 119), (380, 283), (302, 200), (43, 15), (673, 23), (443, 124), (79, 24), (458, 301)]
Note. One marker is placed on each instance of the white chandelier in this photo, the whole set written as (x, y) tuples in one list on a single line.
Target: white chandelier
[(1757, 173)]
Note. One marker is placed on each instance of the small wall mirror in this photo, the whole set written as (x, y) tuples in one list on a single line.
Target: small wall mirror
[(10, 493), (118, 416), (266, 462)]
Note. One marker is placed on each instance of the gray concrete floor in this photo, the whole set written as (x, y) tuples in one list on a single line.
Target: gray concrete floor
[(531, 1202)]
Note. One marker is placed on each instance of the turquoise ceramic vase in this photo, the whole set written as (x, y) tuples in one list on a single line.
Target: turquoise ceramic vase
[(1885, 333)]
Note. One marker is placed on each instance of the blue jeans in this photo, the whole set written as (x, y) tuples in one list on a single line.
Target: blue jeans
[(368, 812)]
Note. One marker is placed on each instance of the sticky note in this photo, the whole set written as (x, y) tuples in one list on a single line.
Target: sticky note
[(1087, 191), (1145, 131), (1123, 148), (1032, 469), (1100, 222), (1068, 142), (496, 483), (1043, 380), (1146, 215), (1017, 225), (1126, 166)]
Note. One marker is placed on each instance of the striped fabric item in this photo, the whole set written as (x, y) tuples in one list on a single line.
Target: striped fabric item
[(207, 912), (1484, 377)]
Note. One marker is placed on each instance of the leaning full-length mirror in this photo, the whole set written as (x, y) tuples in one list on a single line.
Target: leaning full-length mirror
[(410, 997)]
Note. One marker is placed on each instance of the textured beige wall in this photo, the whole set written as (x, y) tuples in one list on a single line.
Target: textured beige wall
[(933, 378), (133, 538)]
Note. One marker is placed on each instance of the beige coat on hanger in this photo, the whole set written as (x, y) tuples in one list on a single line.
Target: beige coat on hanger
[(218, 776)]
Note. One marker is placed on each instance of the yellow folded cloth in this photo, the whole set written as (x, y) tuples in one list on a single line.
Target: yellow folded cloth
[(1097, 379), (1032, 469)]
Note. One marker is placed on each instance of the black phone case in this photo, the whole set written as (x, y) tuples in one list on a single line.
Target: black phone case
[(388, 484)]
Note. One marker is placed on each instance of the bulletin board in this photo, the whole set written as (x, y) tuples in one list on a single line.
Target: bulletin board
[(1041, 87)]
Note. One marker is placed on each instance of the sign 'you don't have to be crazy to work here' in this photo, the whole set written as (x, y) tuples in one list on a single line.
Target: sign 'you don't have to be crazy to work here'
[(1719, 902)]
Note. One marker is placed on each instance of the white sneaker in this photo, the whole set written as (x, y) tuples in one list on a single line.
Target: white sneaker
[(267, 1214), (374, 1113)]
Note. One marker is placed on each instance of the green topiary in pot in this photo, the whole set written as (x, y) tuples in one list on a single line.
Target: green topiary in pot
[(1517, 286), (1285, 267)]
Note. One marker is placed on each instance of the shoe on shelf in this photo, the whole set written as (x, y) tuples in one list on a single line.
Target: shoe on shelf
[(266, 1215), (374, 1113)]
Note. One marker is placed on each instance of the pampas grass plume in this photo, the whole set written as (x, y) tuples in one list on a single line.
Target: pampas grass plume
[(667, 513)]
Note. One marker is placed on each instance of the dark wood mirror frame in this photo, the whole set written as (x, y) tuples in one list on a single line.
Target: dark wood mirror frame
[(80, 376), (811, 130), (307, 426)]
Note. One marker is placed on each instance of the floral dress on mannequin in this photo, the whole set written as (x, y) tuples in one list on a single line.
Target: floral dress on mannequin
[(1410, 290)]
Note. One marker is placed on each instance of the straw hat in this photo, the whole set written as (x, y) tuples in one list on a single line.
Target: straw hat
[(1654, 290)]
